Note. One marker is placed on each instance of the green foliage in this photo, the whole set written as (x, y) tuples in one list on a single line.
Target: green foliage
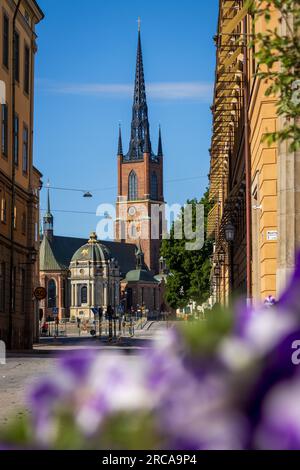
[(19, 431), (190, 270), (203, 337), (124, 430), (278, 56)]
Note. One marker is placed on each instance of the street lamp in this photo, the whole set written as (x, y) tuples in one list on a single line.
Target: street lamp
[(229, 232)]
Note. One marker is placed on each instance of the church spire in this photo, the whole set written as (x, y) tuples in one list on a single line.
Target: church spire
[(120, 146), (48, 217), (48, 201), (160, 149), (140, 136)]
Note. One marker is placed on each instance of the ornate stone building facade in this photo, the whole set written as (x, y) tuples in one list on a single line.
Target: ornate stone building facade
[(20, 181), (95, 279), (80, 274)]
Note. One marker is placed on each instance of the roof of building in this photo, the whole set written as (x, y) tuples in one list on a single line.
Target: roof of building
[(93, 250), (143, 275), (56, 253)]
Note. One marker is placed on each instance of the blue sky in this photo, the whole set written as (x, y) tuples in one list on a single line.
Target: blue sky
[(85, 69)]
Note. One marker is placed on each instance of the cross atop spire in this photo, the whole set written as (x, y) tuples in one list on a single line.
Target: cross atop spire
[(140, 135)]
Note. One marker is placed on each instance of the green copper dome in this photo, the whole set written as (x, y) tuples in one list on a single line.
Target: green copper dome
[(140, 275), (92, 251)]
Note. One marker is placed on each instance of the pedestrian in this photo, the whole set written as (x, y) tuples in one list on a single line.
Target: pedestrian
[(45, 328), (79, 325)]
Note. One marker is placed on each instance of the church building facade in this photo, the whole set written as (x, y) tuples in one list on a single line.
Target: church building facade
[(81, 275)]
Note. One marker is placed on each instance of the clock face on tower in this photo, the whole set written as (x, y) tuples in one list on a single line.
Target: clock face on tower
[(132, 211)]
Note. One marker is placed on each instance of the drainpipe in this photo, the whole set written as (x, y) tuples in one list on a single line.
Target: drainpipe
[(247, 167), (12, 287)]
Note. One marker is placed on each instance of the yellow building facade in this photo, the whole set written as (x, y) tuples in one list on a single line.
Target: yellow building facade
[(19, 180), (249, 185)]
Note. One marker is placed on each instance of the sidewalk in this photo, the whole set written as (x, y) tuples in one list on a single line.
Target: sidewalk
[(56, 346)]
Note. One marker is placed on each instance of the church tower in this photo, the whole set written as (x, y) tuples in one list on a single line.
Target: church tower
[(140, 202)]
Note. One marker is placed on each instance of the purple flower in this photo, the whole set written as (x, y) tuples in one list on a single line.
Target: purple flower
[(280, 426), (45, 392), (78, 363)]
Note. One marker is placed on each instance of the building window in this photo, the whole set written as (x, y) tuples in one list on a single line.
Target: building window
[(26, 69), (133, 231), (4, 129), (16, 142), (36, 232), (14, 283), (15, 217), (5, 42), (2, 287), (23, 223), (22, 289), (132, 186), (17, 56), (83, 295), (51, 294), (3, 210), (25, 149), (154, 186)]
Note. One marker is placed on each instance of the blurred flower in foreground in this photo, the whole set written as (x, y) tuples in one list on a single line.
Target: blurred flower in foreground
[(225, 383)]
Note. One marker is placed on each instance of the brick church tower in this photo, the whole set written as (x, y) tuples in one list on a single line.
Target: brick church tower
[(140, 202)]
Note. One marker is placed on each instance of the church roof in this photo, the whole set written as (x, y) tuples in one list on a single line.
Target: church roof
[(137, 275), (56, 254), (93, 250)]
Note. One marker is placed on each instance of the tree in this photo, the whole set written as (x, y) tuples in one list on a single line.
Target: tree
[(278, 56), (189, 270)]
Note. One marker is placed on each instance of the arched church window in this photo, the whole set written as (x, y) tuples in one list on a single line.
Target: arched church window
[(83, 295), (51, 300), (132, 186), (133, 231), (154, 186)]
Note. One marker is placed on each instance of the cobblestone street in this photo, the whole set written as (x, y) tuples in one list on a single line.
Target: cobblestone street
[(14, 378), (22, 369)]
